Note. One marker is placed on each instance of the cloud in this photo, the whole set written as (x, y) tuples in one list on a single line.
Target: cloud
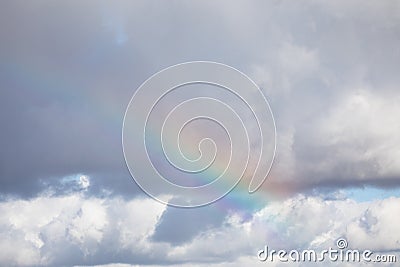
[(78, 229), (65, 83), (334, 101), (74, 229), (352, 141), (178, 226), (68, 71)]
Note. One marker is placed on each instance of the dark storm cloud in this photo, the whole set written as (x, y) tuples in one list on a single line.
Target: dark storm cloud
[(69, 69), (68, 72)]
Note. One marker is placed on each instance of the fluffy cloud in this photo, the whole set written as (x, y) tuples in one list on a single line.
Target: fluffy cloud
[(353, 141), (77, 229), (335, 102), (74, 229)]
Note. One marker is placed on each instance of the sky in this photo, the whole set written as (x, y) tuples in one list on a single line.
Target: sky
[(68, 69)]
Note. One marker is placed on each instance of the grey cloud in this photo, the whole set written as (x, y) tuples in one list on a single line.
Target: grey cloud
[(178, 226), (66, 82), (69, 70)]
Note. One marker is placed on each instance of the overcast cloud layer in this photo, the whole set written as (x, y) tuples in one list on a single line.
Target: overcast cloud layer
[(330, 71)]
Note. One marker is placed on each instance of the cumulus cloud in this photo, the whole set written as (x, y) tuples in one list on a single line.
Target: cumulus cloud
[(353, 141), (74, 229), (77, 229), (335, 102)]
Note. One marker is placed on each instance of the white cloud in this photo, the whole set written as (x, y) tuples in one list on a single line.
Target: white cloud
[(364, 127), (84, 181), (46, 230), (299, 223), (341, 133), (76, 229)]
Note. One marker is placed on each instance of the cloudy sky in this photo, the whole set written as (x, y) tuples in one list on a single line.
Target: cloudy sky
[(330, 71)]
